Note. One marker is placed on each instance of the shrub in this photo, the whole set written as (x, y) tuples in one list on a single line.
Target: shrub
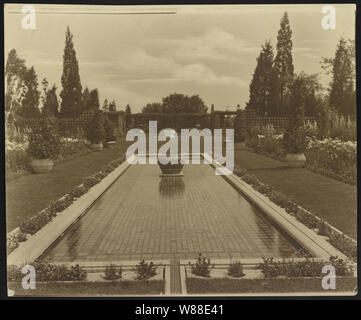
[(235, 269), (112, 272), (145, 270), (44, 142), (90, 181), (344, 244), (305, 268), (70, 146), (333, 158), (95, 129), (202, 266), (35, 223), (109, 127), (77, 192), (49, 272), (306, 218), (294, 140), (11, 243), (61, 204)]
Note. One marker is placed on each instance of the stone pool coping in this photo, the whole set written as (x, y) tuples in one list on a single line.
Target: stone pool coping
[(307, 238), (37, 244)]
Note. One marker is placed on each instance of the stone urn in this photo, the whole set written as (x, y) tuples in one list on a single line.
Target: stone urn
[(171, 169), (295, 160), (97, 146), (42, 165)]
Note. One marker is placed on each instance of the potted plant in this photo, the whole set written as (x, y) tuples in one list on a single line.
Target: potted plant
[(96, 132), (44, 145), (294, 139), (171, 168)]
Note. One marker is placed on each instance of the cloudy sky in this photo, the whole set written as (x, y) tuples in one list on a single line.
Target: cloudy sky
[(139, 55)]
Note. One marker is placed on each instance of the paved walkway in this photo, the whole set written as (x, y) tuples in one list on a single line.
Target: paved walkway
[(145, 216)]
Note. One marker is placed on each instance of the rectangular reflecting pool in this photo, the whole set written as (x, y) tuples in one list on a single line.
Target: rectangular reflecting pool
[(145, 216)]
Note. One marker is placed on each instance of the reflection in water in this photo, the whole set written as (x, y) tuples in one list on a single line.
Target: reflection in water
[(171, 186), (71, 241)]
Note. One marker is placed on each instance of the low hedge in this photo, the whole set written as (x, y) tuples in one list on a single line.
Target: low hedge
[(306, 268), (49, 272), (338, 240)]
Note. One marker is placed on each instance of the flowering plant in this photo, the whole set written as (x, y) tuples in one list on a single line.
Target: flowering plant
[(44, 142)]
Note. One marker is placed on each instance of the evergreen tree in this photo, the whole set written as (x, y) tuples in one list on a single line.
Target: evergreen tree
[(261, 84), (113, 106), (14, 72), (105, 105), (282, 67), (86, 99), (342, 94), (51, 104), (212, 108), (94, 99), (30, 102), (127, 109), (71, 95)]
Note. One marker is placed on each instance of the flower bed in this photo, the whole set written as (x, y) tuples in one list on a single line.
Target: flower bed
[(60, 279), (270, 275), (340, 241), (32, 225), (333, 158)]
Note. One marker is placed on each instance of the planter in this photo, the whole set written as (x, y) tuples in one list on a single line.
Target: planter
[(295, 160), (170, 168), (42, 165), (97, 146)]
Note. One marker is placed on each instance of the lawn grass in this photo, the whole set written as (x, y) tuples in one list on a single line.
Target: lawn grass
[(297, 285), (76, 289), (27, 195), (327, 198)]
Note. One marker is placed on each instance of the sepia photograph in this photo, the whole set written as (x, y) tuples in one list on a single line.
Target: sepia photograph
[(180, 151)]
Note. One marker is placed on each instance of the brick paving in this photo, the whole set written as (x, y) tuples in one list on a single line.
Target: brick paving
[(145, 216)]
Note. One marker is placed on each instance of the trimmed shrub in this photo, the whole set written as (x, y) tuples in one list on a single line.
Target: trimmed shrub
[(112, 272), (235, 269), (202, 266), (145, 270), (306, 268), (49, 272)]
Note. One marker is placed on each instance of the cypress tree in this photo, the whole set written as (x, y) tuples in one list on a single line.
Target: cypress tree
[(283, 67), (94, 99), (105, 105), (261, 84), (342, 95), (86, 99), (71, 95)]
